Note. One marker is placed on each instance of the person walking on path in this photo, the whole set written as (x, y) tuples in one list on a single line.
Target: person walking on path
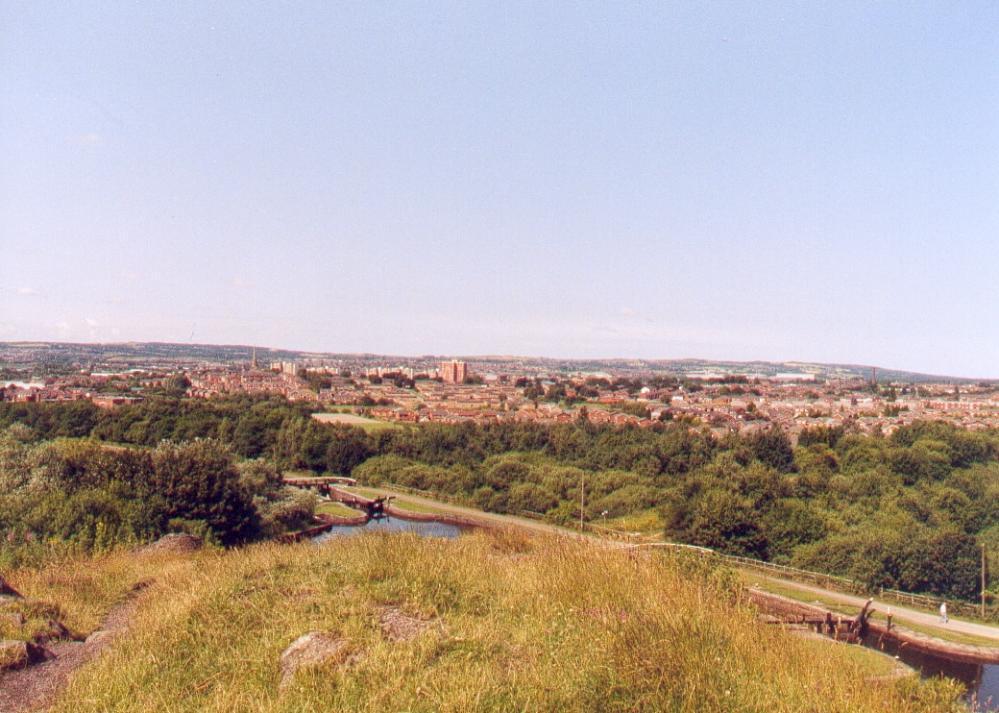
[(943, 612)]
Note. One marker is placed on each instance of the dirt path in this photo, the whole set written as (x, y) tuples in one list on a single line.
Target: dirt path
[(36, 688)]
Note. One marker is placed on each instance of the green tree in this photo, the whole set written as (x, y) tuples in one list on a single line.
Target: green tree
[(348, 448), (198, 481), (773, 448)]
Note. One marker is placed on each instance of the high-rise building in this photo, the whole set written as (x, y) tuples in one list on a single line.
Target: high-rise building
[(454, 371)]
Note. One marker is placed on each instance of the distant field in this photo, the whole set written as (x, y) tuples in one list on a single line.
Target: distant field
[(352, 419)]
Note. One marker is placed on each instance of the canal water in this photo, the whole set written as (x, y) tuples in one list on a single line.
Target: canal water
[(392, 524), (981, 680)]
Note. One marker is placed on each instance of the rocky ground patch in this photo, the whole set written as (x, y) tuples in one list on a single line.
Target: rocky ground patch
[(399, 626), (316, 648), (174, 543)]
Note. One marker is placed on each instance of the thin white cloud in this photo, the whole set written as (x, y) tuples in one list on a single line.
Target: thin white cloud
[(91, 322), (27, 291)]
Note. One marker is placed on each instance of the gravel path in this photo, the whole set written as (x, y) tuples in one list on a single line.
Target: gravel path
[(36, 688)]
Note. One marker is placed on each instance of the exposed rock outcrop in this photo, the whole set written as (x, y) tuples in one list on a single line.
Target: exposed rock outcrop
[(20, 654), (317, 648), (54, 631), (176, 542), (399, 626)]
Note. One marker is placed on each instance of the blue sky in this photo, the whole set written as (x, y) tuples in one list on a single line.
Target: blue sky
[(814, 181)]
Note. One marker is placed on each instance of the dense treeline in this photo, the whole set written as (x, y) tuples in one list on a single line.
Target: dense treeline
[(80, 493), (904, 512), (247, 424), (907, 511)]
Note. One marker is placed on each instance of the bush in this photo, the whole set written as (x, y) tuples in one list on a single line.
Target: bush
[(198, 481)]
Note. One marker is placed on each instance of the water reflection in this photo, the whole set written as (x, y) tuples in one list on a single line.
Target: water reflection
[(392, 524), (981, 680)]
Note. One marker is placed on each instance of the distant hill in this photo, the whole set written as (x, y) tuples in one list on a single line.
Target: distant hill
[(148, 354)]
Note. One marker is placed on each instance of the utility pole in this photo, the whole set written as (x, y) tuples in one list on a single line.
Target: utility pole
[(983, 580)]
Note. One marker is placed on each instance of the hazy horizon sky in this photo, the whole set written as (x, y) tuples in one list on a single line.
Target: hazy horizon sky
[(799, 181)]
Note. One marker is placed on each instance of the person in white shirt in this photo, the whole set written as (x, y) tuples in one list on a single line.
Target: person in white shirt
[(943, 612)]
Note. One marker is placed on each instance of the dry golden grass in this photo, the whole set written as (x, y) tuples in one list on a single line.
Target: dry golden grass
[(80, 590), (645, 522), (518, 624)]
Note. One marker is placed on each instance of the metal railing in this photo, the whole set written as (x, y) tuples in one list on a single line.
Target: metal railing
[(827, 581), (836, 583)]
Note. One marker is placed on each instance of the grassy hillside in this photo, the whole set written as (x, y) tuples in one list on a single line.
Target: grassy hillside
[(509, 624)]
